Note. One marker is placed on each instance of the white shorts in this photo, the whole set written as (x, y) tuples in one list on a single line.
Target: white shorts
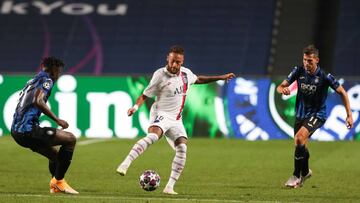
[(172, 128)]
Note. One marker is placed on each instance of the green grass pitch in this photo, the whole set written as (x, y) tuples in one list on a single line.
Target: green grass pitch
[(217, 170)]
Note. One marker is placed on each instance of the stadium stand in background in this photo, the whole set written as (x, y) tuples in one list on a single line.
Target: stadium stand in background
[(260, 41)]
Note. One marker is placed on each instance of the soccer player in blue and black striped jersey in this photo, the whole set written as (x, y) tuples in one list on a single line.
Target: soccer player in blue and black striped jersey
[(313, 84), (26, 131)]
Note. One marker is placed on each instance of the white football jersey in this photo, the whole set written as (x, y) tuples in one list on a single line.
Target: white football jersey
[(170, 90)]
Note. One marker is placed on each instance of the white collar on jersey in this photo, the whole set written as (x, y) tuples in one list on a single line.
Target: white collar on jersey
[(170, 74)]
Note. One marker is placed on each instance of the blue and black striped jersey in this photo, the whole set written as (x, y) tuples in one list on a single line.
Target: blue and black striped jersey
[(312, 91), (27, 115)]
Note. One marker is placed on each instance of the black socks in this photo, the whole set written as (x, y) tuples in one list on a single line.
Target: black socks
[(52, 167), (300, 153), (64, 160), (305, 167)]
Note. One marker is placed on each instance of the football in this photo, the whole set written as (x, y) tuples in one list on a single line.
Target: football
[(149, 180)]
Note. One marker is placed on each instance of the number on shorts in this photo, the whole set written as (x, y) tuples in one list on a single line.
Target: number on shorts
[(158, 119), (313, 121)]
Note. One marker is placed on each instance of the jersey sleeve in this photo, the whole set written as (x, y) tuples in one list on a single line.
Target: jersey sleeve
[(294, 74), (333, 83), (153, 87), (191, 77), (46, 85)]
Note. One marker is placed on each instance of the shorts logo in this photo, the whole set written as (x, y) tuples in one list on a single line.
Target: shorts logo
[(49, 132)]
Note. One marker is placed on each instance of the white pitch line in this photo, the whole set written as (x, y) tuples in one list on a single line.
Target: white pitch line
[(130, 198), (92, 141)]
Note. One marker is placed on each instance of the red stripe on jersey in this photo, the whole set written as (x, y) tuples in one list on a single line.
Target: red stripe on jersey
[(184, 79)]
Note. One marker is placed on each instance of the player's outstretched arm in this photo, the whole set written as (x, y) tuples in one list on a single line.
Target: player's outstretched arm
[(342, 92), (139, 101), (207, 79), (39, 102), (283, 88)]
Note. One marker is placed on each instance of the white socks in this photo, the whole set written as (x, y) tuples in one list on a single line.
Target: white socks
[(139, 147), (178, 164)]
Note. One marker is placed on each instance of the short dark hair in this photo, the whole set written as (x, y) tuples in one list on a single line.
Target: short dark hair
[(311, 49), (52, 62), (177, 49)]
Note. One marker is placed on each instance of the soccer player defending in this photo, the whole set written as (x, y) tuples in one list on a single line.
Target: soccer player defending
[(313, 84), (169, 84), (27, 133)]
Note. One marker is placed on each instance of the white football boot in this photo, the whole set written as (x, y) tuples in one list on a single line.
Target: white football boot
[(293, 182), (302, 179), (122, 169), (169, 191)]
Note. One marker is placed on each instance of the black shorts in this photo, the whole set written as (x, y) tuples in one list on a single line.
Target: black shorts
[(311, 124), (36, 139)]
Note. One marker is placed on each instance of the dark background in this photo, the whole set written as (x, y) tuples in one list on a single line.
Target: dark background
[(251, 37)]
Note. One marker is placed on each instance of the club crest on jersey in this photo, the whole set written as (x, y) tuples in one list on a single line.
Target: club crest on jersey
[(46, 85), (317, 79), (185, 80)]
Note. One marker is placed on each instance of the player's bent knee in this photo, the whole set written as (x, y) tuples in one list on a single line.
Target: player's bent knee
[(300, 139), (180, 140), (71, 138), (156, 129)]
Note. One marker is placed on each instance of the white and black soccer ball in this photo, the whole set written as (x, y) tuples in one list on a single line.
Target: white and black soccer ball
[(149, 180)]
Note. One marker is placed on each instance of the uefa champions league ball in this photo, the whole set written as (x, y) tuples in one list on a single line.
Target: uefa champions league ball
[(149, 180)]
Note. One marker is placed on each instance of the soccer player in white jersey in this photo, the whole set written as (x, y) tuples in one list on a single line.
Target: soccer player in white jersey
[(169, 84)]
